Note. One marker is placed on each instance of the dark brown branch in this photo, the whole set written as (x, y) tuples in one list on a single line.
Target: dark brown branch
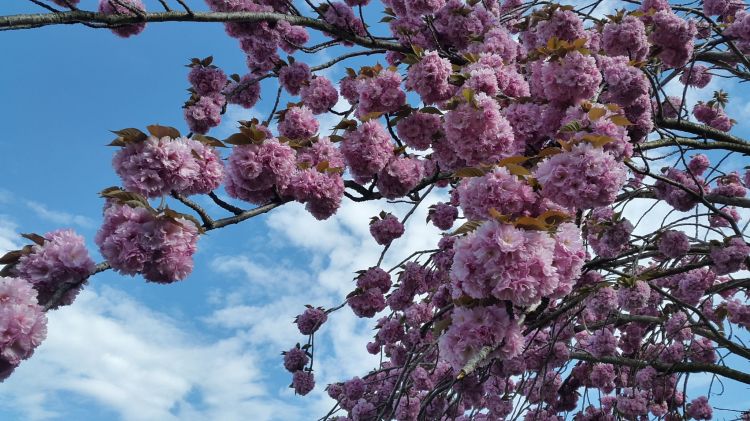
[(692, 367), (25, 21), (221, 223)]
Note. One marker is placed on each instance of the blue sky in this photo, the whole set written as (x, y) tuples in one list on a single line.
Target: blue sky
[(204, 348)]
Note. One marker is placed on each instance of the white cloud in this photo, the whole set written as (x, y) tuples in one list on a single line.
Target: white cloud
[(234, 114), (8, 235), (59, 217), (141, 364)]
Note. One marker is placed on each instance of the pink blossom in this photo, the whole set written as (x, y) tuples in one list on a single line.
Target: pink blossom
[(699, 409), (158, 166), (367, 150), (675, 37), (298, 123), (583, 178), (457, 25), (320, 191), (387, 229), (303, 382), (244, 93), (696, 75), (443, 215), (472, 329), (429, 78), (295, 359), (322, 151), (111, 8), (257, 173), (478, 133), (310, 320), (204, 113), (419, 129), (678, 197), (498, 190), (61, 260), (23, 324), (207, 80), (342, 15), (625, 83), (294, 76), (731, 257), (380, 94), (570, 80), (698, 164), (674, 244), (626, 38), (320, 95), (399, 177), (519, 267)]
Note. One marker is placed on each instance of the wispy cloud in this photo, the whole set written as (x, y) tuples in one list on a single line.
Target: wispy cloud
[(8, 234), (142, 365), (59, 217)]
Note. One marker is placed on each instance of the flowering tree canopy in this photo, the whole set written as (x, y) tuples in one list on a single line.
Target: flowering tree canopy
[(536, 123)]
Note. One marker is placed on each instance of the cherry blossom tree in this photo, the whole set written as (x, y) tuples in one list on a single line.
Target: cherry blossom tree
[(539, 123)]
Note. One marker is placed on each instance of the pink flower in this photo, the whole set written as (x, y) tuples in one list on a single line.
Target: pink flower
[(696, 75), (675, 37), (674, 244), (204, 113), (310, 320), (583, 178), (501, 261), (294, 76), (626, 38), (321, 151), (625, 83), (570, 80), (419, 129), (699, 409), (472, 329), (443, 215), (257, 173), (478, 133), (208, 80), (298, 123), (320, 95), (244, 93), (156, 167), (23, 324), (303, 382), (380, 94), (677, 197), (111, 8), (387, 229), (698, 164), (61, 260), (367, 150), (295, 359), (429, 78), (399, 177), (498, 190), (135, 240), (320, 191), (731, 257)]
